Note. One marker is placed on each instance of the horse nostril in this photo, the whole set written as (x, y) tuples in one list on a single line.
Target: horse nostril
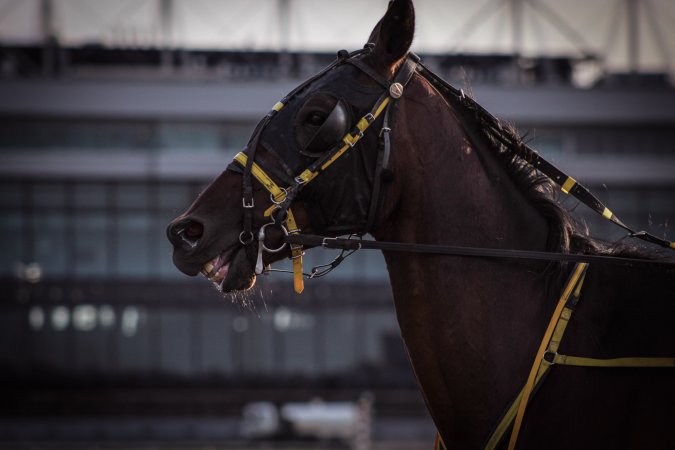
[(185, 231), (194, 230)]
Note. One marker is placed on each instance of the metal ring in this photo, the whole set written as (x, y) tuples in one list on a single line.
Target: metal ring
[(280, 201), (246, 241), (274, 250), (552, 355)]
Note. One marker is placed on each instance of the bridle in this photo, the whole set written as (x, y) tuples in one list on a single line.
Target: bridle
[(280, 212)]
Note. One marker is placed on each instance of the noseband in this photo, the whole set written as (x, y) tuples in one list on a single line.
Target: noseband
[(280, 213)]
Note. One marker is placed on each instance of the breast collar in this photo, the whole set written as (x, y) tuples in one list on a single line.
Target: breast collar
[(281, 198)]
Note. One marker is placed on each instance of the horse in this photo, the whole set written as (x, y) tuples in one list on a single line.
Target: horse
[(415, 167)]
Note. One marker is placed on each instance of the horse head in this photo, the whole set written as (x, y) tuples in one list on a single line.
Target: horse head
[(313, 163)]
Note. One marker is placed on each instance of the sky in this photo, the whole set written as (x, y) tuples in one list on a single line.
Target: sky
[(549, 27)]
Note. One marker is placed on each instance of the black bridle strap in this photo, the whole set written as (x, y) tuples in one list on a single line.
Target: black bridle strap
[(310, 240), (402, 77)]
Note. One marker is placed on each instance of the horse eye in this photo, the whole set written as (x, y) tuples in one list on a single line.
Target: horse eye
[(316, 119)]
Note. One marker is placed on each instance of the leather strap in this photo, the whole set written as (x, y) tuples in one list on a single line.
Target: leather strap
[(580, 361), (573, 286), (311, 240)]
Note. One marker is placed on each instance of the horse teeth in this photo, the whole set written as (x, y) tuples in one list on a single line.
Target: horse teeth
[(208, 267)]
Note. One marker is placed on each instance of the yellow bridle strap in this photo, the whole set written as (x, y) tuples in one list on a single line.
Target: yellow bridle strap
[(279, 195)]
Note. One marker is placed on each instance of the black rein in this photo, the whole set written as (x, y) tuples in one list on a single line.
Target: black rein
[(310, 240)]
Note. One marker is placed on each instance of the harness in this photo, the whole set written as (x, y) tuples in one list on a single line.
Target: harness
[(281, 216)]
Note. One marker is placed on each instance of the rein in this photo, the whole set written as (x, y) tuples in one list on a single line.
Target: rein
[(310, 240)]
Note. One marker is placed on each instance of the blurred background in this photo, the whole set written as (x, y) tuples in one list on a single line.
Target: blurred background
[(113, 117)]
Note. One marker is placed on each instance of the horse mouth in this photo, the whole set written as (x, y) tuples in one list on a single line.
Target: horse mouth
[(230, 271)]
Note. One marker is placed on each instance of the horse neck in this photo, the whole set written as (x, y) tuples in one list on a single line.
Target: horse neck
[(458, 315)]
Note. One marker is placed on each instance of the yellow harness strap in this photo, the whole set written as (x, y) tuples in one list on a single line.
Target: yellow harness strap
[(566, 360), (279, 195), (553, 334), (438, 443), (548, 355)]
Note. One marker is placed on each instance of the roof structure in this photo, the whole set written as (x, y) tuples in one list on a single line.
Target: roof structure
[(626, 35)]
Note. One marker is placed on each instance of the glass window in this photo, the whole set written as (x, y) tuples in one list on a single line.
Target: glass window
[(192, 136), (90, 195), (84, 134), (48, 195), (236, 136), (50, 234), (11, 241), (133, 259), (91, 244), (11, 195), (216, 342), (131, 195), (175, 197), (175, 341)]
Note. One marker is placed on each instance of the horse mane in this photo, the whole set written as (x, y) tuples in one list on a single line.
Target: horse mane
[(567, 234)]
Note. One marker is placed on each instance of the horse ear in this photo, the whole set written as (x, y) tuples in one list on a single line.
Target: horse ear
[(393, 35)]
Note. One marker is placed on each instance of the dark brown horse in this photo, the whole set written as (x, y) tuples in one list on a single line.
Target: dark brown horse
[(471, 326)]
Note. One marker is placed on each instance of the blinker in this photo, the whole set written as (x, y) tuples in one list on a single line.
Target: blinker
[(329, 133)]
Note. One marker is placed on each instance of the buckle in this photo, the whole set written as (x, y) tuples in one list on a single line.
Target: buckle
[(355, 139), (247, 205), (299, 181), (324, 242)]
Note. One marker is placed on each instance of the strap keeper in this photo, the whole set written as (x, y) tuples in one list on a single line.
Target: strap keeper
[(299, 180)]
